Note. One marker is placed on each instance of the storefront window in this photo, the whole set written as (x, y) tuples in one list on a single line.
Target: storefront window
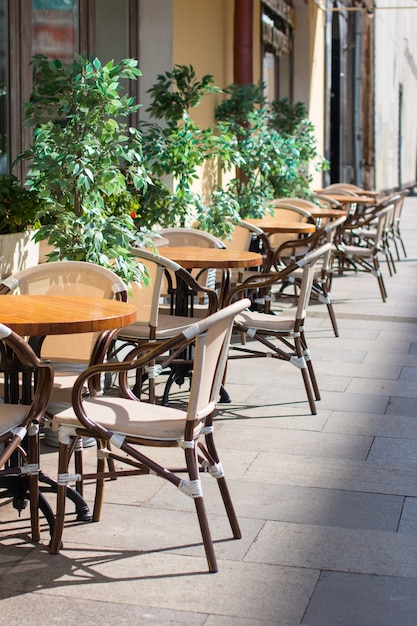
[(55, 28), (277, 31)]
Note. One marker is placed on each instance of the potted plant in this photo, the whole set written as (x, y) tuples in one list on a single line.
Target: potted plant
[(273, 147), (177, 149), (84, 161), (19, 208)]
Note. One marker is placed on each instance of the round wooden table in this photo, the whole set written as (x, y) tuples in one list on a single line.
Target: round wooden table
[(358, 192), (271, 224), (60, 315), (193, 257), (37, 316), (347, 199), (327, 213)]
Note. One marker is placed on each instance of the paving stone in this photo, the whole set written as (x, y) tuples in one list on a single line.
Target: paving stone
[(338, 549), (296, 442), (71, 611), (304, 505), (163, 581), (349, 474), (402, 406), (408, 522), (409, 374), (372, 425), (383, 387), (367, 403), (394, 451), (353, 600)]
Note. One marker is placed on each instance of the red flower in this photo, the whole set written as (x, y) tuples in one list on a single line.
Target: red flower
[(133, 215)]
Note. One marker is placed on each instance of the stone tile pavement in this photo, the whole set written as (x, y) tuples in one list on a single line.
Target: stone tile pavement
[(327, 503)]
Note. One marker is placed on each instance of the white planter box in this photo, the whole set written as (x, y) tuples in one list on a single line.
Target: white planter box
[(18, 251)]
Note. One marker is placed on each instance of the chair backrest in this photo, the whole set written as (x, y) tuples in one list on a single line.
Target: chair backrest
[(73, 278), (147, 296), (308, 264), (327, 201), (210, 356), (194, 237), (15, 419), (291, 250), (292, 212), (303, 203), (288, 212), (383, 224), (344, 189), (240, 238), (398, 200), (347, 186), (190, 237)]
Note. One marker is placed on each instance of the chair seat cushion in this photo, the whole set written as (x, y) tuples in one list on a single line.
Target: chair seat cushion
[(278, 324), (358, 251), (127, 417), (168, 326), (11, 415)]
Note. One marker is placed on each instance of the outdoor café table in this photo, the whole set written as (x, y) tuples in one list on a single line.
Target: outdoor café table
[(38, 316), (346, 200), (193, 257), (327, 213), (358, 192), (274, 224)]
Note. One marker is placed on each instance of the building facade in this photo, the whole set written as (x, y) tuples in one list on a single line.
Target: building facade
[(353, 64)]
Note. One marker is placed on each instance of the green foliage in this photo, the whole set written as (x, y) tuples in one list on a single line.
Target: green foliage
[(272, 151), (292, 123), (242, 100), (254, 148), (177, 92), (18, 205), (84, 161), (175, 149)]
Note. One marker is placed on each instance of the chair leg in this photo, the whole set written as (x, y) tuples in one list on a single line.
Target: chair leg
[(194, 474), (310, 368), (213, 458), (63, 461), (380, 279), (99, 495), (307, 385), (401, 242), (78, 464), (33, 457), (328, 300)]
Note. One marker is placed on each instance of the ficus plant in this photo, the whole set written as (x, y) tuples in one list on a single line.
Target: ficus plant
[(84, 161), (19, 207), (292, 123), (274, 146), (176, 148)]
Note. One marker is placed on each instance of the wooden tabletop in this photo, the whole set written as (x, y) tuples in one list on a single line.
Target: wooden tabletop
[(217, 258), (347, 199), (327, 212), (359, 192), (60, 315), (273, 224)]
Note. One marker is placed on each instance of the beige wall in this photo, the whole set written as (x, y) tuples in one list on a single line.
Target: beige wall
[(155, 54), (203, 38)]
